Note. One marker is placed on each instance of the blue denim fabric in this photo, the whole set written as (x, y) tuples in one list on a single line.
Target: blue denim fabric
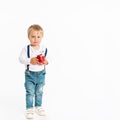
[(34, 82)]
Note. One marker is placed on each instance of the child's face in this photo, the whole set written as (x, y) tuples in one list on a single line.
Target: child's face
[(35, 37)]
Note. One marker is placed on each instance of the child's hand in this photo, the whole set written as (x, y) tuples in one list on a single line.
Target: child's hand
[(45, 62), (34, 60)]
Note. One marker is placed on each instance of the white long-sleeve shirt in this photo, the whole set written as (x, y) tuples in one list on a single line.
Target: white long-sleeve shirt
[(23, 58)]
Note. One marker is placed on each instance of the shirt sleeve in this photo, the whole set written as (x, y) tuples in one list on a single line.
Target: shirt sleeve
[(48, 55), (23, 56)]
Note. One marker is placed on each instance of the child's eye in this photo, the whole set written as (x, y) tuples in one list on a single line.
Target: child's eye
[(38, 36), (32, 36)]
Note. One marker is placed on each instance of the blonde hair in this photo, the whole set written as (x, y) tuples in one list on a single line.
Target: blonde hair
[(35, 27)]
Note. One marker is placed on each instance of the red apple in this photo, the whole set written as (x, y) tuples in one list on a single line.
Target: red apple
[(41, 58)]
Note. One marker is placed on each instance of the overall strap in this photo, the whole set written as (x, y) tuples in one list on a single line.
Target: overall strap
[(45, 56), (45, 52), (28, 54), (28, 51)]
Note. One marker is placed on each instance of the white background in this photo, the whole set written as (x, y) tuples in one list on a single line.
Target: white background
[(83, 38)]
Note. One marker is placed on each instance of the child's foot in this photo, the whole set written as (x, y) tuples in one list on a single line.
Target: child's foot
[(40, 111), (29, 113)]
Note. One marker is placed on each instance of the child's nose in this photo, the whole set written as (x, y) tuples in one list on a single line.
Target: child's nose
[(36, 38)]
